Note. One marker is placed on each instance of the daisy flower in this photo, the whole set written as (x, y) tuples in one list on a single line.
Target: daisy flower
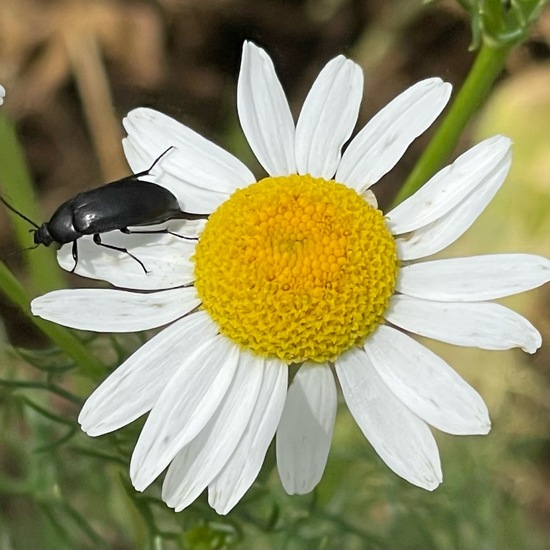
[(301, 270), (2, 94)]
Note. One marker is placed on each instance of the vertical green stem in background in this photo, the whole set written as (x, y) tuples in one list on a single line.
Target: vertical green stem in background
[(61, 336), (18, 190), (487, 66)]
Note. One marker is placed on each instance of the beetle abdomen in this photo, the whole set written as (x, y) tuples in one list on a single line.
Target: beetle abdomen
[(121, 204)]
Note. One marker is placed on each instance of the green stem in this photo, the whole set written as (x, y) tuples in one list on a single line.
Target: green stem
[(486, 68), (18, 189), (61, 336)]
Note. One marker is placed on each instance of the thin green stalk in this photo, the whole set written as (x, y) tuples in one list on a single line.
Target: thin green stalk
[(61, 336), (486, 68), (18, 190)]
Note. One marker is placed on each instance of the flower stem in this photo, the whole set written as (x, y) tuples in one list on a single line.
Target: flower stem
[(61, 336), (486, 68)]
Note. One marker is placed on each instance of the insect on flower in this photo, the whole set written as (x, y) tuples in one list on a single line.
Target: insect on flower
[(301, 271), (127, 202)]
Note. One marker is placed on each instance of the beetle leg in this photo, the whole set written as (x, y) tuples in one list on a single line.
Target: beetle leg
[(97, 240), (127, 231), (148, 171), (74, 252)]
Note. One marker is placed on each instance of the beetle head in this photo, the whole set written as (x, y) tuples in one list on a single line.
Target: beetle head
[(42, 235)]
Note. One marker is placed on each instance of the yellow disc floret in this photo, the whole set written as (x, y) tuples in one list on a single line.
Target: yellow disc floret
[(296, 267)]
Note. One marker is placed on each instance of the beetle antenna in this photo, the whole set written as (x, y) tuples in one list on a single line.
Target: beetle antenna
[(19, 214), (15, 252)]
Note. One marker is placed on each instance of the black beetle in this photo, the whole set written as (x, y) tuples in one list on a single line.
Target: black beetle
[(126, 202)]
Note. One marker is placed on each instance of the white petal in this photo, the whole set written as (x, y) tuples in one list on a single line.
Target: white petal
[(439, 234), (134, 387), (305, 431), (167, 259), (186, 404), (381, 143), (199, 173), (264, 113), (244, 465), (107, 310), (474, 278), (201, 460), (328, 117), (426, 384), (479, 324), (370, 198), (451, 185), (2, 94), (401, 439)]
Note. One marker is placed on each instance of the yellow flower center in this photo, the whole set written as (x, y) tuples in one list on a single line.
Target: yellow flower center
[(296, 267)]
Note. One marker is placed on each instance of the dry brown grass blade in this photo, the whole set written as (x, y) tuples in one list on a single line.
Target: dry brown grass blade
[(93, 85)]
